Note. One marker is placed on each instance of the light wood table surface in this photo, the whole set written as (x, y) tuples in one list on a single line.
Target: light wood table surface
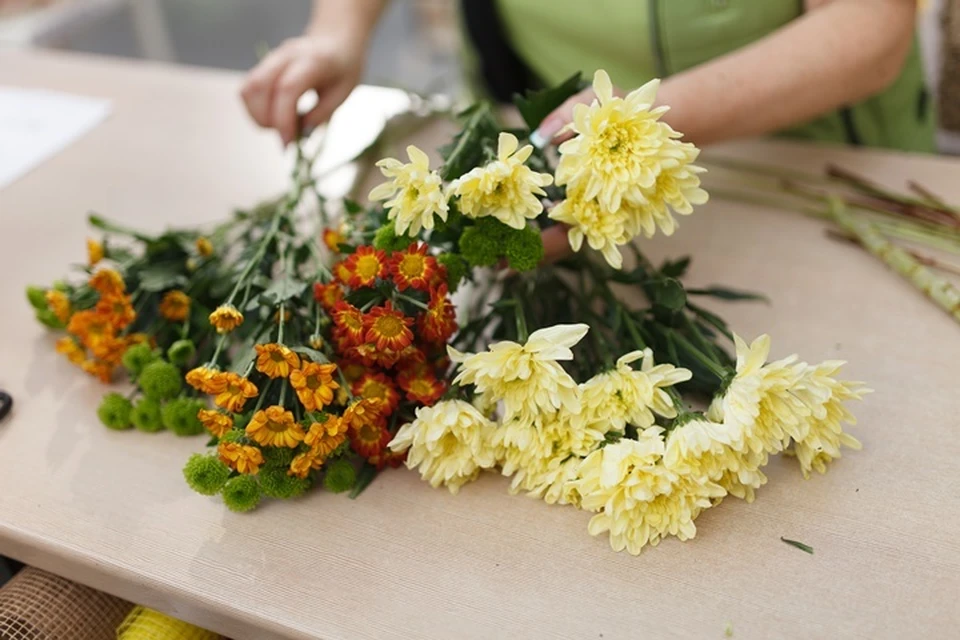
[(111, 509)]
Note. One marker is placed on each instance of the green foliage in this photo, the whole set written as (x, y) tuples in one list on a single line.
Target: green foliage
[(726, 293), (180, 416), (386, 239), (276, 483), (340, 476), (160, 380), (534, 106), (205, 474), (48, 318), (493, 228), (181, 352), (478, 249), (236, 435), (37, 296), (456, 267), (524, 249), (137, 357), (282, 289), (145, 415), (241, 493), (114, 411), (475, 143), (278, 457)]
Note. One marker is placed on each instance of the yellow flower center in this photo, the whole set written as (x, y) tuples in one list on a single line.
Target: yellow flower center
[(277, 427), (277, 356), (373, 389), (412, 266), (368, 267), (313, 383), (421, 387), (388, 326), (369, 433), (352, 321)]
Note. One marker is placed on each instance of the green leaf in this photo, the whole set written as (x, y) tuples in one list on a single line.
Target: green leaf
[(798, 545), (162, 275), (352, 207), (711, 318), (313, 354), (534, 106), (667, 293), (676, 268), (473, 144), (726, 293), (365, 476), (99, 222), (281, 290)]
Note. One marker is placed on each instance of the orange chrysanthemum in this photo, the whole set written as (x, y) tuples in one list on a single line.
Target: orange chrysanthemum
[(216, 423), (303, 463), (107, 282), (204, 247), (98, 369), (200, 378), (328, 295), (365, 265), (276, 360), (90, 327), (59, 303), (175, 306), (363, 412), (231, 391), (242, 458), (439, 322), (342, 273), (110, 349), (226, 318), (74, 352), (94, 251), (352, 369), (117, 308), (412, 267), (275, 427), (325, 437), (376, 386), (333, 239), (388, 328), (370, 439), (348, 321), (314, 384), (421, 385), (388, 458)]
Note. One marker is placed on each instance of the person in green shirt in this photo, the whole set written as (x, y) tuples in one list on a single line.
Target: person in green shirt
[(843, 71)]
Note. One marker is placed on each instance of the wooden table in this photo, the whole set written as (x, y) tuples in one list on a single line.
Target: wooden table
[(111, 509)]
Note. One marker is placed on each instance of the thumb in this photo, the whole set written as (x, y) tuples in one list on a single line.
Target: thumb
[(560, 117)]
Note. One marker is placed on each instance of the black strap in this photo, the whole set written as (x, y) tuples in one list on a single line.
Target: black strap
[(501, 68)]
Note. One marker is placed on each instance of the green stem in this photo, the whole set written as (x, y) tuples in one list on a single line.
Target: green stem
[(699, 356), (521, 318), (413, 301), (280, 322)]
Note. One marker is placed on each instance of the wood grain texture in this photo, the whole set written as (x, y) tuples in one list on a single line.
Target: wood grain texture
[(111, 509)]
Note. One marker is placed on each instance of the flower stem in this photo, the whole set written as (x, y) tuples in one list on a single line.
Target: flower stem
[(707, 362)]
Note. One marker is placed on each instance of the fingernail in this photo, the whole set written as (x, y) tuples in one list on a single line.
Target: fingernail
[(545, 132)]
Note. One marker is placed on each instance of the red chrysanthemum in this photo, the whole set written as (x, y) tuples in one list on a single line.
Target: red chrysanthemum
[(388, 328), (328, 295), (349, 324), (388, 458), (439, 321), (412, 267), (376, 386), (365, 353), (341, 271), (352, 369), (333, 239), (410, 355), (421, 385), (368, 433), (365, 265)]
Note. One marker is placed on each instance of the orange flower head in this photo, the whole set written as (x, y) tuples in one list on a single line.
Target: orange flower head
[(325, 437), (200, 379), (328, 295), (363, 412), (316, 342), (388, 458), (110, 349), (276, 360), (349, 323), (117, 309), (98, 369), (412, 267), (94, 251), (352, 370), (59, 303), (366, 354), (216, 423), (370, 440), (68, 346), (175, 306), (410, 356), (107, 282), (91, 327), (421, 385), (314, 384), (303, 463), (439, 322), (333, 239), (365, 265), (231, 391), (226, 318), (342, 272), (376, 386), (275, 427), (204, 247), (240, 457), (388, 328)]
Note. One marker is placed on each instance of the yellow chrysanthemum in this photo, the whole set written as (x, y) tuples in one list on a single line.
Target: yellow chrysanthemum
[(275, 427), (230, 390), (304, 463), (276, 360), (200, 378), (226, 318), (204, 247), (243, 458), (526, 377), (325, 437), (314, 384), (449, 442), (175, 306), (604, 231), (215, 422), (506, 188), (94, 252), (414, 194), (69, 347), (59, 303)]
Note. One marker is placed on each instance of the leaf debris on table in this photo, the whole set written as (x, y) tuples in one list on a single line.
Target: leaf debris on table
[(798, 545)]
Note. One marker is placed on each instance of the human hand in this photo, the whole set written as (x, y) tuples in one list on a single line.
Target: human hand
[(327, 63)]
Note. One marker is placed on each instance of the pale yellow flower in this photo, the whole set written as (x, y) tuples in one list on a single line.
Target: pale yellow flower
[(527, 378), (414, 194), (604, 231), (506, 188), (449, 442)]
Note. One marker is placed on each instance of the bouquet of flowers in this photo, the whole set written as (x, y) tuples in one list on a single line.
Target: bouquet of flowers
[(330, 350)]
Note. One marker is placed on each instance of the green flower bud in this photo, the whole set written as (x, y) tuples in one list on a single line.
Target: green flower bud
[(275, 483), (386, 239), (137, 357), (146, 415), (48, 318), (236, 435), (205, 474), (241, 493), (493, 228), (478, 249), (524, 249), (278, 458), (180, 416), (114, 411), (181, 352), (160, 380), (340, 476), (37, 296), (456, 267), (60, 285)]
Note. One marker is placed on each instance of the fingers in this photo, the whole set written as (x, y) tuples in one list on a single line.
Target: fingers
[(560, 117), (555, 243), (297, 78), (327, 103), (257, 91)]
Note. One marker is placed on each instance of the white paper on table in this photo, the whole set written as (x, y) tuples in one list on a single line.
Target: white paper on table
[(36, 124)]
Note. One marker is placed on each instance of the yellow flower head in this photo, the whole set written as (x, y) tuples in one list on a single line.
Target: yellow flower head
[(314, 384), (204, 247), (216, 423), (59, 303), (449, 442), (231, 391), (506, 188), (276, 360), (604, 231), (74, 352), (325, 437), (303, 463), (108, 282), (175, 306), (200, 378), (526, 377), (242, 458), (414, 194), (94, 252), (91, 327), (275, 427), (226, 318)]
